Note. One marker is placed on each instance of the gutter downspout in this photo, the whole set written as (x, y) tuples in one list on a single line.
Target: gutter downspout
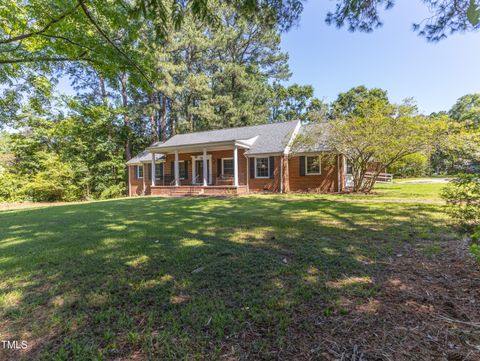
[(248, 172), (281, 173), (338, 173)]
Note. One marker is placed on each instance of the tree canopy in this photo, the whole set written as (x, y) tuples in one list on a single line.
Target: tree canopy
[(145, 70), (467, 110), (447, 16), (373, 133)]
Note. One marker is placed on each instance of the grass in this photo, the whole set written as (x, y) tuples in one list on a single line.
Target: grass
[(409, 192), (195, 278)]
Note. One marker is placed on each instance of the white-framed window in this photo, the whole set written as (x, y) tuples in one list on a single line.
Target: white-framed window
[(227, 166), (262, 167), (139, 171), (348, 167), (159, 170), (313, 165)]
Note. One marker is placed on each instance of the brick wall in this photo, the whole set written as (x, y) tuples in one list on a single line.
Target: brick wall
[(327, 181)]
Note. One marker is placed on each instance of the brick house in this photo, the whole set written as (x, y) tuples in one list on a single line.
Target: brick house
[(234, 161)]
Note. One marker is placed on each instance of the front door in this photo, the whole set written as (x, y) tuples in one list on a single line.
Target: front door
[(199, 171)]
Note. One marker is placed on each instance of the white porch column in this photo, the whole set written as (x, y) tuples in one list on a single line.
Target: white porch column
[(235, 166), (177, 170), (144, 179), (205, 167), (153, 169)]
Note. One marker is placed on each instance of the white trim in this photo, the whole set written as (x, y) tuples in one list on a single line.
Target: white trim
[(235, 166), (268, 167), (137, 172), (145, 162), (292, 138), (194, 167), (153, 170), (348, 177), (205, 166), (189, 147), (319, 164), (222, 159), (176, 169)]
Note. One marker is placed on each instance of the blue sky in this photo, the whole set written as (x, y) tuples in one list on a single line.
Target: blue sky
[(393, 58)]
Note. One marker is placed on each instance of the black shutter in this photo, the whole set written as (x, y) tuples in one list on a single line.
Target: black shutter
[(219, 167), (302, 165), (135, 172), (172, 169), (272, 166), (185, 165), (252, 167), (149, 171)]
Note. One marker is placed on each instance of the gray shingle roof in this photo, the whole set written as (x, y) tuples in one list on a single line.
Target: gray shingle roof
[(271, 138), (264, 139), (144, 156), (312, 138)]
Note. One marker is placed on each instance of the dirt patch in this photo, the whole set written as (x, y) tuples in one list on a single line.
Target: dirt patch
[(427, 308)]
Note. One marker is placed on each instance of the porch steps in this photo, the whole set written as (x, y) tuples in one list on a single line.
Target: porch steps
[(196, 190), (185, 191)]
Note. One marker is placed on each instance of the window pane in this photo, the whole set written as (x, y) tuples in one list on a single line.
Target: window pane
[(227, 166), (313, 164), (349, 167), (140, 171), (262, 167)]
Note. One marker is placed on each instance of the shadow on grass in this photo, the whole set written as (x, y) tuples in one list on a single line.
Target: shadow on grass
[(175, 278)]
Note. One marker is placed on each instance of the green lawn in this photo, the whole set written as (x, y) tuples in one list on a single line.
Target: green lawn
[(195, 278), (410, 192)]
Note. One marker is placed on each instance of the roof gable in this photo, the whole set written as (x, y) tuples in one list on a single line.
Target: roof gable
[(144, 156)]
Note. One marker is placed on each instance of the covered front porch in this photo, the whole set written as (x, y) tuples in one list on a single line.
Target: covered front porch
[(213, 169)]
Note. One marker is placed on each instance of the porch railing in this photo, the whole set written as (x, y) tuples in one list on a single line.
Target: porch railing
[(166, 180), (382, 177)]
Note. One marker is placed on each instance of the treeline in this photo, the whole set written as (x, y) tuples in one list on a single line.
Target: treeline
[(80, 151), (141, 73), (202, 75)]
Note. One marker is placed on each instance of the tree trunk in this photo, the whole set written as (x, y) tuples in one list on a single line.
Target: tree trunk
[(163, 117), (126, 119), (103, 91), (153, 121), (172, 119)]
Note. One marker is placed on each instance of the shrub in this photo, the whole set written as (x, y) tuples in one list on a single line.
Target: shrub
[(55, 182), (463, 199), (113, 191), (11, 187), (412, 165)]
